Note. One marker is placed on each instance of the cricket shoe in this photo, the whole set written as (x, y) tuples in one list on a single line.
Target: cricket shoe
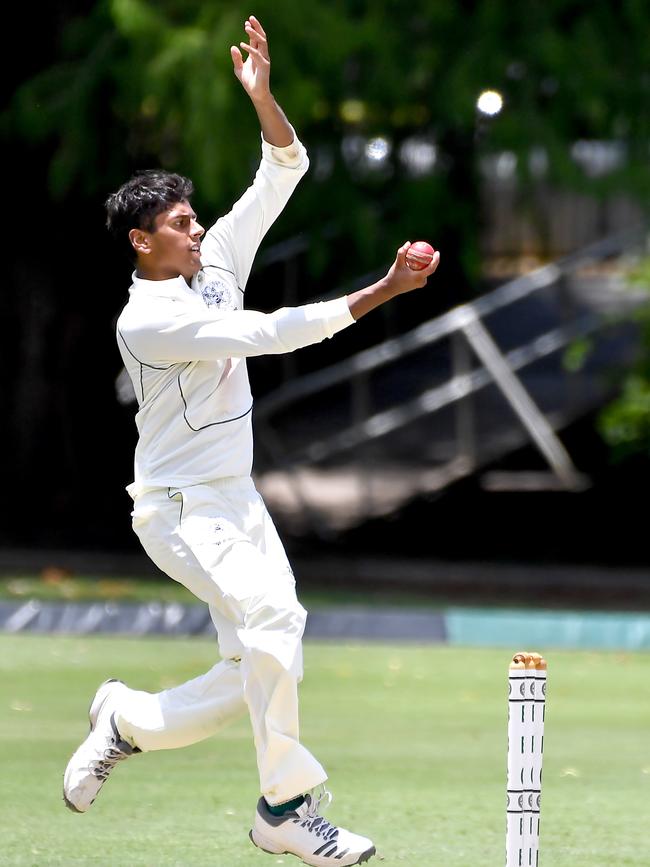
[(305, 833), (91, 764)]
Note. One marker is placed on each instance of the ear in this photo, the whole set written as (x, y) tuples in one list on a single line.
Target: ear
[(140, 241)]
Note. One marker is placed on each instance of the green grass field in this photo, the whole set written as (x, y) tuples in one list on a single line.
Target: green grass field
[(414, 739)]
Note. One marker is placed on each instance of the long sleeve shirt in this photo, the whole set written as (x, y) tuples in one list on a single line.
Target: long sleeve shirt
[(185, 346)]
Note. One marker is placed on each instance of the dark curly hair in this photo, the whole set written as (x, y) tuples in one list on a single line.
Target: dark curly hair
[(138, 202)]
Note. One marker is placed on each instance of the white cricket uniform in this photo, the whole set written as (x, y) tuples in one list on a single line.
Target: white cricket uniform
[(196, 510)]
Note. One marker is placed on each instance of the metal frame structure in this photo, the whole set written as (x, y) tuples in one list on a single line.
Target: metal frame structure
[(465, 327)]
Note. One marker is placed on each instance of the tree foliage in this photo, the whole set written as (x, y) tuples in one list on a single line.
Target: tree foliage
[(625, 423), (384, 95), (140, 82)]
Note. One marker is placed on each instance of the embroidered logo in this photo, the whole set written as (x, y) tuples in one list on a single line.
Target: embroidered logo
[(217, 294)]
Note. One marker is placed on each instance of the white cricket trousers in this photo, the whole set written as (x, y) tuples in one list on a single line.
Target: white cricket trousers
[(220, 542)]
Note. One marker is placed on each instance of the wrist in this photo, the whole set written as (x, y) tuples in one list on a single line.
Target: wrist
[(364, 300), (385, 288), (380, 292), (262, 100)]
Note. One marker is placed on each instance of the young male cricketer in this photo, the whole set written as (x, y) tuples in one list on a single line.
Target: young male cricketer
[(184, 338)]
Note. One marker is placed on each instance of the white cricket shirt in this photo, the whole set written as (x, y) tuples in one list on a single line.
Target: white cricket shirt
[(185, 347)]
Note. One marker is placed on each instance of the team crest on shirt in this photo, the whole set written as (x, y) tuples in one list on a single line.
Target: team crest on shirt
[(216, 293)]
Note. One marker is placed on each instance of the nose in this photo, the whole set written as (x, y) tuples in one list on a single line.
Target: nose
[(197, 229)]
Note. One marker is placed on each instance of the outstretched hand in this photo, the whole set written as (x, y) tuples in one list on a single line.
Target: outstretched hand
[(253, 73), (401, 278)]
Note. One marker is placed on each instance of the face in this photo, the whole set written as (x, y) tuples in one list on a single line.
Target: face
[(173, 248)]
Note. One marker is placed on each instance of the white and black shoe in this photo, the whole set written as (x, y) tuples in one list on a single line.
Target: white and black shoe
[(305, 833), (89, 767)]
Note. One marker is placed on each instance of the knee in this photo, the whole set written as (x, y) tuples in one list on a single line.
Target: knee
[(276, 613), (273, 630)]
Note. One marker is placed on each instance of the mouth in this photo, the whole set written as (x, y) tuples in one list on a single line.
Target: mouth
[(195, 248)]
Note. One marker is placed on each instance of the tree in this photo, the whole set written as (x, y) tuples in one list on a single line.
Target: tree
[(625, 422), (156, 86), (384, 94)]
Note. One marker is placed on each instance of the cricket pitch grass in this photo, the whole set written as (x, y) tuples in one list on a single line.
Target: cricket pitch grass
[(414, 740)]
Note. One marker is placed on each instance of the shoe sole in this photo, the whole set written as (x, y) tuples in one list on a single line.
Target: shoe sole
[(93, 712), (365, 856)]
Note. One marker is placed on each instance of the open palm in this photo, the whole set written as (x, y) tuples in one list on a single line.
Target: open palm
[(254, 73)]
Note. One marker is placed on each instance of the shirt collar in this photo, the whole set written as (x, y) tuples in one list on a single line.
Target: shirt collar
[(174, 287)]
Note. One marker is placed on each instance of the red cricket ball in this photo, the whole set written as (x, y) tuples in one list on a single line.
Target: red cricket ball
[(419, 255)]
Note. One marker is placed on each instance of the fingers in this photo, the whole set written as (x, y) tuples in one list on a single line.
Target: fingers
[(256, 53), (407, 278), (257, 26), (237, 60), (256, 35), (401, 255), (425, 273), (428, 271)]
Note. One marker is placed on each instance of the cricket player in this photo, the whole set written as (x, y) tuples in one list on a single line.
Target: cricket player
[(184, 338)]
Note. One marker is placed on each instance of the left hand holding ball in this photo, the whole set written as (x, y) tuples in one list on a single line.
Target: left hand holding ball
[(419, 255)]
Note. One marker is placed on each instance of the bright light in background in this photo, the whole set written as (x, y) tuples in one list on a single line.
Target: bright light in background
[(367, 156), (419, 155), (598, 158), (378, 149), (501, 166), (490, 102)]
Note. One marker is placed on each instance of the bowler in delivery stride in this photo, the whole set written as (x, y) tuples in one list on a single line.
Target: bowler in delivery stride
[(184, 338)]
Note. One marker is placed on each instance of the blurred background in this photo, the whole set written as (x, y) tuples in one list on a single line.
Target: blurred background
[(500, 417)]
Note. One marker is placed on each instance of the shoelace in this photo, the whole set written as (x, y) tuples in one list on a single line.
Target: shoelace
[(103, 767), (315, 823)]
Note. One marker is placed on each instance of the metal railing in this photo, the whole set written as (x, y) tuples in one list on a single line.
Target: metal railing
[(477, 362)]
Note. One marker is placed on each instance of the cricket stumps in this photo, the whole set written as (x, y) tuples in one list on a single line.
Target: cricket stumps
[(526, 710)]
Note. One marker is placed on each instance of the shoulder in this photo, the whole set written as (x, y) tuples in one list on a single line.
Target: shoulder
[(147, 312)]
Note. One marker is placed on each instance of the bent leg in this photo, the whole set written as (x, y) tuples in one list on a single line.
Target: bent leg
[(184, 714), (215, 539), (203, 706), (259, 620), (270, 632)]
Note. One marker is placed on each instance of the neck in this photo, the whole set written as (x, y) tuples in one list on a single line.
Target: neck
[(148, 273)]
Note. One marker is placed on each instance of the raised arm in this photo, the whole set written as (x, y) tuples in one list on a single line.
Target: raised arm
[(254, 75), (233, 241)]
